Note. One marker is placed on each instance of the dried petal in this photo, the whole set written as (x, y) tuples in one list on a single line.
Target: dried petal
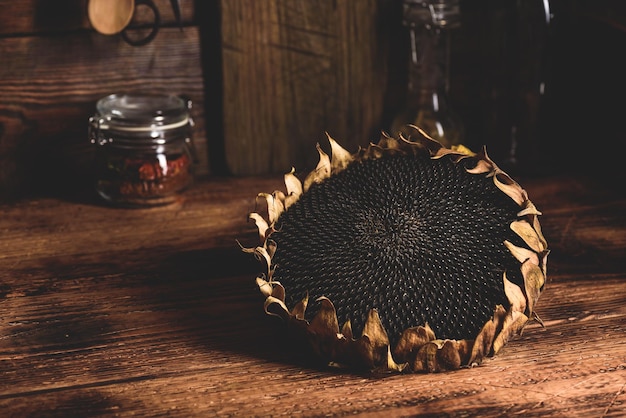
[(346, 330), (528, 234), (276, 307), (510, 188), (515, 295), (274, 206), (264, 286), (522, 254), (533, 281), (321, 172), (513, 324), (261, 225), (412, 339), (340, 157), (294, 188), (325, 322), (299, 309)]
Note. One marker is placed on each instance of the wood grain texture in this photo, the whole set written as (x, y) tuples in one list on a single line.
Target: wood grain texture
[(154, 312), (49, 90), (294, 70), (51, 80)]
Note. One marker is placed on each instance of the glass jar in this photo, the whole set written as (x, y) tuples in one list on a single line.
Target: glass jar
[(145, 152)]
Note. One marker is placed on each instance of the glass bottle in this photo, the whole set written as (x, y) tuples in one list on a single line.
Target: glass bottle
[(428, 24), (144, 154), (529, 39)]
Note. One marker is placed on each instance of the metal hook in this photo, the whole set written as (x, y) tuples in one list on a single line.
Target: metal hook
[(154, 28), (156, 24)]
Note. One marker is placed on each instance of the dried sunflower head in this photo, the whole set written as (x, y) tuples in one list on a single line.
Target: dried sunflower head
[(430, 258)]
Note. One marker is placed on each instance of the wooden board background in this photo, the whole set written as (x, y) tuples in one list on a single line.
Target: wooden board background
[(269, 77), (296, 69), (54, 67)]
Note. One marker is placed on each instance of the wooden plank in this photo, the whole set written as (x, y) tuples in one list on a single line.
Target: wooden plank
[(295, 69), (581, 221), (139, 327), (128, 345), (48, 89), (140, 349)]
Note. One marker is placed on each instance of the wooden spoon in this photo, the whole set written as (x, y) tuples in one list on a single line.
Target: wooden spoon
[(110, 16)]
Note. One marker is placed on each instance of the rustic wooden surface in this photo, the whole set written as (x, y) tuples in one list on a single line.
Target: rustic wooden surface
[(154, 312)]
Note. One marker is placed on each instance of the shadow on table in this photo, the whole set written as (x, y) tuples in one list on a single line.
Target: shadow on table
[(218, 299)]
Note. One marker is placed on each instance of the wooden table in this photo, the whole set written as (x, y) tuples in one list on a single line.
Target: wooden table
[(154, 312)]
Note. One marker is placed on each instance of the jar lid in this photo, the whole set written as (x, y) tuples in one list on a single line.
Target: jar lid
[(442, 14), (142, 112)]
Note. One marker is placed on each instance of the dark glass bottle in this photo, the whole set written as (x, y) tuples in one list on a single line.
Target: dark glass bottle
[(429, 23)]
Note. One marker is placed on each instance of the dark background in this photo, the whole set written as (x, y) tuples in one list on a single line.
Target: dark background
[(275, 78), (579, 120)]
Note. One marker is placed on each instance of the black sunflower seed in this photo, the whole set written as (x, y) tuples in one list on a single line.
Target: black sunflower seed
[(421, 240)]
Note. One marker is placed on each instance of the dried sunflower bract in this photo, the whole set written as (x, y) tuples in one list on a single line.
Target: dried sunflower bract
[(430, 258)]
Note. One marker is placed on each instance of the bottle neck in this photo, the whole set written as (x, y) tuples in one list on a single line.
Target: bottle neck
[(428, 23), (428, 71)]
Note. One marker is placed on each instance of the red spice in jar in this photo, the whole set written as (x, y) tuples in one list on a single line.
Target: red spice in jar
[(145, 153)]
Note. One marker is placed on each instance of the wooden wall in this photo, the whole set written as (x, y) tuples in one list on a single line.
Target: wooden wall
[(54, 67), (297, 68), (268, 78)]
